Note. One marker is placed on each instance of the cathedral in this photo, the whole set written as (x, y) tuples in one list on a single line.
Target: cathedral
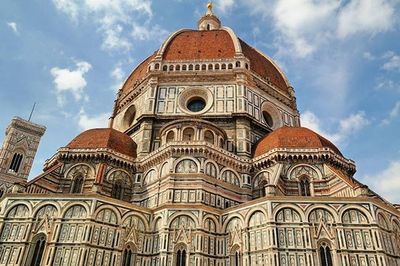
[(204, 162)]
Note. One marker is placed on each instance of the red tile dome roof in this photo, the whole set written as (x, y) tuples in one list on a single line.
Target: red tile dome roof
[(194, 44), (186, 45), (104, 138), (295, 138)]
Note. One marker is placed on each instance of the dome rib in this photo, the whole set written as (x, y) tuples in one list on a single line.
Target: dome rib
[(109, 138), (293, 138)]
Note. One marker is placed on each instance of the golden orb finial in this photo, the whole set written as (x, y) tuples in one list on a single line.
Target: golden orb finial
[(209, 8)]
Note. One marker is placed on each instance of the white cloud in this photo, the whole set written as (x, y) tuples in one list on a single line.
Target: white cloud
[(97, 121), (118, 75), (69, 7), (352, 124), (368, 56), (305, 25), (311, 121), (387, 182), (224, 5), (393, 62), (73, 81), (13, 27), (388, 84), (145, 32), (115, 19), (365, 16), (395, 112), (304, 22), (345, 128)]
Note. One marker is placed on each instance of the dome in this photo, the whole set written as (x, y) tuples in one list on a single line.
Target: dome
[(202, 45), (109, 138), (293, 138)]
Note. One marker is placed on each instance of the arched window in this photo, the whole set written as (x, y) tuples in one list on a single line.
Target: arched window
[(325, 255), (178, 68), (230, 177), (223, 66), (157, 66), (230, 66), (77, 184), (237, 64), (186, 166), (184, 67), (127, 257), (181, 257), (211, 170), (165, 68), (209, 137), (117, 190), (1, 192), (190, 67), (235, 256), (203, 67), (210, 67), (188, 134), (170, 136), (36, 250), (305, 187), (16, 162)]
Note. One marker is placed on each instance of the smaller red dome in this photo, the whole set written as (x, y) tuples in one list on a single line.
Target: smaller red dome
[(295, 138), (109, 138)]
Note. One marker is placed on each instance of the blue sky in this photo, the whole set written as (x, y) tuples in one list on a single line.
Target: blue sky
[(342, 58)]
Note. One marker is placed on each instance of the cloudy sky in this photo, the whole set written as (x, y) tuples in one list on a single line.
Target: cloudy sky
[(341, 56)]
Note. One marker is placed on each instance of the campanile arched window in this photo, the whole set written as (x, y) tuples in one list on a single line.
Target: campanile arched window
[(16, 162)]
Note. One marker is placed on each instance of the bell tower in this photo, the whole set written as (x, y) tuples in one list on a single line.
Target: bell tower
[(18, 151)]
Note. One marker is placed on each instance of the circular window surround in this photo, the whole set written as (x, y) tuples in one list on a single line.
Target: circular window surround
[(129, 117), (192, 94), (274, 114)]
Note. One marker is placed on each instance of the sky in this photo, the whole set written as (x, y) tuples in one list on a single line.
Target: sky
[(341, 56)]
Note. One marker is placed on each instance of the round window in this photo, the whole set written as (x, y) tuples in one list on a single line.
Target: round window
[(196, 104), (268, 118), (195, 101)]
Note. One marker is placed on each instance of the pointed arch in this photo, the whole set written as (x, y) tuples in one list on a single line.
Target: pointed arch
[(129, 255), (325, 253), (36, 250)]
